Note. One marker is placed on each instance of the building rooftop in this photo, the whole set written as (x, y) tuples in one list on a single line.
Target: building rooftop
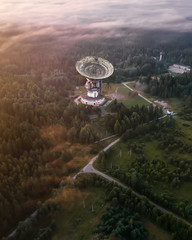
[(94, 67), (181, 65)]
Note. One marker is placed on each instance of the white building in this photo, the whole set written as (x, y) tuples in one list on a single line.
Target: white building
[(177, 68), (161, 56)]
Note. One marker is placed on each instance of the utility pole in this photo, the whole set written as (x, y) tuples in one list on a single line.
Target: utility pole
[(130, 152), (83, 203), (92, 209), (120, 153)]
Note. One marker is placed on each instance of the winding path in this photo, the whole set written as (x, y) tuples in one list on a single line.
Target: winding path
[(90, 169)]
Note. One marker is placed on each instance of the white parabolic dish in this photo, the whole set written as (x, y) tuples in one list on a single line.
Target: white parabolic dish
[(94, 67)]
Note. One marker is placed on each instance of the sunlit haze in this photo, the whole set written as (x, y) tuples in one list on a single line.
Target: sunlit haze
[(175, 15), (95, 119)]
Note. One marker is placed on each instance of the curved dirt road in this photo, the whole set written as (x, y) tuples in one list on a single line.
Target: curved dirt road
[(90, 169)]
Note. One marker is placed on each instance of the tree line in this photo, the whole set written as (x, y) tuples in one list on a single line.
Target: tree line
[(129, 118)]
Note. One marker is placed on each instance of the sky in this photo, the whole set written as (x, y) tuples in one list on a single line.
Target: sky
[(150, 14)]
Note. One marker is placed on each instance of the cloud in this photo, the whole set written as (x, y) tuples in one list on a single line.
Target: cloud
[(69, 21), (133, 13)]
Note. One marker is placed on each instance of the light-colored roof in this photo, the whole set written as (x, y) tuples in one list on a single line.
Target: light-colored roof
[(94, 67)]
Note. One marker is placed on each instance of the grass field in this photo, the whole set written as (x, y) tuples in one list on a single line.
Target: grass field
[(123, 90), (133, 101), (128, 100), (120, 156), (110, 88), (77, 220)]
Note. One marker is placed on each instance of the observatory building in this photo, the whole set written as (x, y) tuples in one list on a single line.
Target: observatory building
[(94, 69)]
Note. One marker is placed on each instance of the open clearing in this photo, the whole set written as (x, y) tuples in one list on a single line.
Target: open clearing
[(77, 220), (124, 95), (119, 92)]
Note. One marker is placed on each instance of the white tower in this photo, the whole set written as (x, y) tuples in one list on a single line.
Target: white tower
[(94, 69), (160, 57)]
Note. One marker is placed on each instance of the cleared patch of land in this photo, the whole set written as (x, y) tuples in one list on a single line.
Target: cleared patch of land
[(119, 92), (78, 218)]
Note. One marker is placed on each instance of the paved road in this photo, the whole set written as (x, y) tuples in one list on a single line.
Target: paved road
[(90, 164), (77, 100), (125, 84), (107, 103), (104, 139), (103, 111), (90, 169), (26, 220)]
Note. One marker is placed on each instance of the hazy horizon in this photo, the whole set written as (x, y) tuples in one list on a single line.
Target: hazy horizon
[(148, 14), (66, 22)]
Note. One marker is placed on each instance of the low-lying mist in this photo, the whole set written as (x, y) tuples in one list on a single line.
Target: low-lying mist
[(42, 33)]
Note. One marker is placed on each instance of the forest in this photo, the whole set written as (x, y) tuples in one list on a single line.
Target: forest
[(129, 118), (168, 86), (26, 107), (36, 81)]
